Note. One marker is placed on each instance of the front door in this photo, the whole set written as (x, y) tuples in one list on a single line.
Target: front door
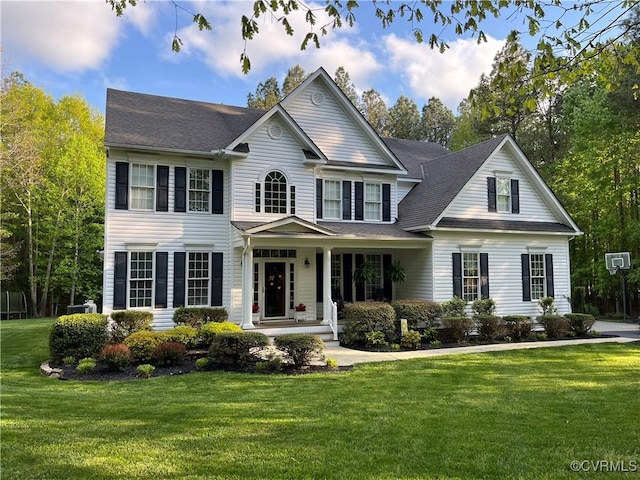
[(275, 294)]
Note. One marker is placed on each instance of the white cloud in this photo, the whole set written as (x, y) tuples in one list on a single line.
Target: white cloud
[(448, 76), (66, 36)]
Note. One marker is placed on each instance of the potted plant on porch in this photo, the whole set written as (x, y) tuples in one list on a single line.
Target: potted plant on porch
[(256, 313), (300, 314)]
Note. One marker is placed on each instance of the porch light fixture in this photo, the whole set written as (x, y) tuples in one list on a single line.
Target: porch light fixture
[(307, 263)]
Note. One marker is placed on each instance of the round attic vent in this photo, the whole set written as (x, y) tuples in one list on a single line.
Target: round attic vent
[(317, 98), (275, 131)]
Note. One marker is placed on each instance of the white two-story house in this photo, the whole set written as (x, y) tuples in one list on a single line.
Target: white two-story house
[(214, 205)]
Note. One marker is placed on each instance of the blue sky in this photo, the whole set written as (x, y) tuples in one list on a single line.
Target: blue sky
[(69, 47)]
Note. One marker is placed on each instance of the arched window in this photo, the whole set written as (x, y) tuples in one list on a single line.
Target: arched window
[(275, 194)]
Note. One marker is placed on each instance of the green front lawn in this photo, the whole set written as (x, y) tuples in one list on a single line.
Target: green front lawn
[(520, 414)]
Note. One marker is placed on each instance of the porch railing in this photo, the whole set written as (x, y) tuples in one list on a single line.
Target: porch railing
[(333, 321)]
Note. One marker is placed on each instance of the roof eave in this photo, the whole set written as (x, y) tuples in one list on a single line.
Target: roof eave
[(175, 151)]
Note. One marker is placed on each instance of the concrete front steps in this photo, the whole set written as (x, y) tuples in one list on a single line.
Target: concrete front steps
[(273, 329)]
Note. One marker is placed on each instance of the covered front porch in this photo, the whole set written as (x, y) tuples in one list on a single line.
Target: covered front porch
[(296, 276)]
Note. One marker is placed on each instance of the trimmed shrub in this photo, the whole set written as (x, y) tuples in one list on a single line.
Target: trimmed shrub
[(363, 317), (202, 364), (299, 347), (429, 335), (547, 306), (126, 322), (518, 327), (580, 323), (457, 329), (375, 339), (145, 370), (170, 353), (143, 343), (332, 363), (555, 326), (80, 335), (183, 334), (454, 307), (417, 311), (86, 365), (490, 327), (211, 329), (198, 316), (411, 340), (116, 356), (236, 348), (67, 361), (483, 307)]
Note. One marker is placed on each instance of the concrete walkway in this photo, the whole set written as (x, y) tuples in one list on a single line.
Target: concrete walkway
[(628, 332)]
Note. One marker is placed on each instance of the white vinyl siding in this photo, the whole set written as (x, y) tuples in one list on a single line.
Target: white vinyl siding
[(332, 200), (372, 201), (472, 201), (142, 186), (505, 283), (140, 279)]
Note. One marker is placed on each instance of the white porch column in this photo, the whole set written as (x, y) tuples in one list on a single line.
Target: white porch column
[(326, 285), (247, 288)]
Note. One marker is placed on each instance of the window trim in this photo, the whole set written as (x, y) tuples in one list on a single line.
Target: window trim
[(366, 202), (153, 186), (478, 276), (533, 254), (188, 278), (508, 207), (189, 190), (260, 190), (325, 198), (130, 280)]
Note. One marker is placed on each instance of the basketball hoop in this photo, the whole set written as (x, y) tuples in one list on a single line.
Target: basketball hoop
[(619, 262), (613, 270)]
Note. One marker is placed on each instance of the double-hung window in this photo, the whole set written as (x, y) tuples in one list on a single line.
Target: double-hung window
[(470, 276), (372, 201), (198, 278), (140, 279), (199, 189), (503, 195), (142, 186), (538, 275), (332, 200)]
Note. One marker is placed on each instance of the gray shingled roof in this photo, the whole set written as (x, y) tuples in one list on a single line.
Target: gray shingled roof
[(486, 224), (136, 119), (413, 153), (444, 177)]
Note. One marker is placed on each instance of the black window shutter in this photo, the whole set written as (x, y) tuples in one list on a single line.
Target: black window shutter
[(319, 277), (346, 200), (548, 270), (162, 188), (526, 278), (387, 284), (359, 287), (179, 263), (216, 279), (162, 267), (122, 186), (120, 281), (386, 202), (484, 275), (318, 198), (457, 274), (359, 200), (258, 195), (347, 266), (515, 196), (181, 190), (217, 192), (491, 194)]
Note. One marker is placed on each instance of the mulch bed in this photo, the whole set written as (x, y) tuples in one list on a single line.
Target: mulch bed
[(103, 374)]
